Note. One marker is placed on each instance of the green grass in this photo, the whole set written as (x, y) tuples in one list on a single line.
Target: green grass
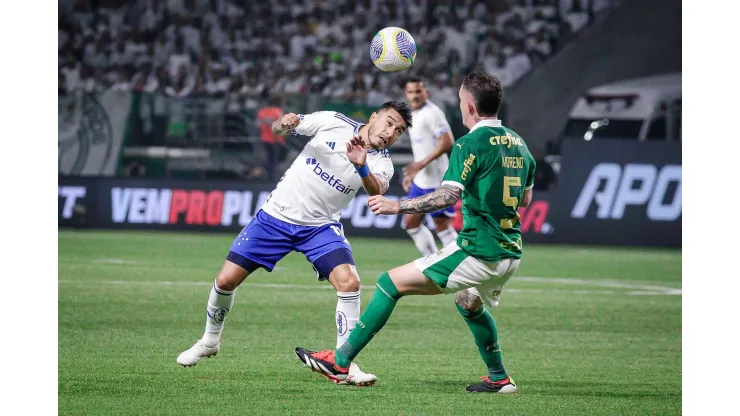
[(588, 343)]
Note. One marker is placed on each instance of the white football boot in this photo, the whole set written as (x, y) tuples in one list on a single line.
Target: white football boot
[(358, 377), (200, 350)]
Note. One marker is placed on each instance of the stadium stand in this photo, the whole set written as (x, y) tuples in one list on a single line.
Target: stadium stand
[(205, 67)]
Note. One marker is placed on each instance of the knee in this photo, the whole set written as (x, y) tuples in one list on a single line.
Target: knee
[(468, 303), (227, 281), (441, 228), (411, 223), (441, 225), (347, 281)]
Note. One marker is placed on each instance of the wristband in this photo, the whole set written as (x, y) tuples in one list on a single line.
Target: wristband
[(363, 171)]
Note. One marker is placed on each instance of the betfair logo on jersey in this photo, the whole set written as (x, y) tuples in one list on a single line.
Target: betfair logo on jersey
[(507, 140), (467, 166), (335, 183)]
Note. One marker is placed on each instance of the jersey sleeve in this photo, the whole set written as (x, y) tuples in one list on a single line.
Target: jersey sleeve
[(463, 165), (311, 123), (438, 123), (383, 167), (529, 183)]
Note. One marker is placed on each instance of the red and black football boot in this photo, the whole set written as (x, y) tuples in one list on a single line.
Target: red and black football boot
[(487, 386), (322, 362)]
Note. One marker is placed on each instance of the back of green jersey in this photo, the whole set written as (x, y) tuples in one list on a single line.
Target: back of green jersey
[(493, 167)]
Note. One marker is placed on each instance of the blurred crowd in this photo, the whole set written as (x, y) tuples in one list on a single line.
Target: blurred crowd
[(248, 51)]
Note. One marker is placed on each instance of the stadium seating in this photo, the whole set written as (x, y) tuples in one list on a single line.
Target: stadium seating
[(242, 53), (204, 67)]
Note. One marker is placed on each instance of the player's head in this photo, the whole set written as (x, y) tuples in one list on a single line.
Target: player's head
[(480, 97), (416, 92), (388, 124)]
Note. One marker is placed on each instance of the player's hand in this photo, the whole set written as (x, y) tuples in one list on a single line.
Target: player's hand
[(289, 121), (407, 180), (412, 169), (356, 152), (381, 205)]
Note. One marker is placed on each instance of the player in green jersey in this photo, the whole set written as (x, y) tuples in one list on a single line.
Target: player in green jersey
[(492, 170)]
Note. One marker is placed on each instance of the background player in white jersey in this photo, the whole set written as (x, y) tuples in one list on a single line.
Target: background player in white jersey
[(302, 214), (431, 140)]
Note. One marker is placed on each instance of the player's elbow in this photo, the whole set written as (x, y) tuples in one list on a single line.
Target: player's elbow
[(526, 199)]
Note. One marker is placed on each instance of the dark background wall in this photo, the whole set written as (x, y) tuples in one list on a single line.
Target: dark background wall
[(639, 38)]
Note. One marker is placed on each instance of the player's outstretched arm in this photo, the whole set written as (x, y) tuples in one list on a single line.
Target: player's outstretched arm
[(445, 196), (285, 124)]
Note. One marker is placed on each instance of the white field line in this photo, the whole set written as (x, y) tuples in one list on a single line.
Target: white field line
[(639, 288), (668, 291), (598, 282), (595, 282)]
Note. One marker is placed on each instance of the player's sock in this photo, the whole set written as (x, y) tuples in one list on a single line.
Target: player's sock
[(372, 320), (423, 239), (219, 304), (348, 312), (484, 331), (447, 236)]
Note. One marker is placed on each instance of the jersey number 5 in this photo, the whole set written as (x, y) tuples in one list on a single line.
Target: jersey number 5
[(510, 201)]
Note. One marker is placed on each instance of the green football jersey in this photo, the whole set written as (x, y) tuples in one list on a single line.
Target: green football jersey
[(493, 167)]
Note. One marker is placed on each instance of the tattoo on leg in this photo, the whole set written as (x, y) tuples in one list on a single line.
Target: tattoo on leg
[(468, 301)]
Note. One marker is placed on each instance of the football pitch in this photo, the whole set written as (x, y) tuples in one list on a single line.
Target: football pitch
[(583, 330)]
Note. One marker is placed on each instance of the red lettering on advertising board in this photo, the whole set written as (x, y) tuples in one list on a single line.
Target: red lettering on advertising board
[(214, 207), (534, 216), (196, 208), (178, 205)]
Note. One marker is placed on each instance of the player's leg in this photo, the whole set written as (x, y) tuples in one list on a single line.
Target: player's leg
[(443, 226), (417, 278), (415, 227), (261, 244), (418, 231), (331, 256), (483, 327), (346, 282), (391, 286), (487, 280)]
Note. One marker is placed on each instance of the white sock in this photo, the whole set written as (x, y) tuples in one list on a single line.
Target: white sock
[(447, 236), (423, 239), (219, 304), (348, 313)]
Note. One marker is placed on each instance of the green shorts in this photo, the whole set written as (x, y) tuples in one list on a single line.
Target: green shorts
[(453, 270)]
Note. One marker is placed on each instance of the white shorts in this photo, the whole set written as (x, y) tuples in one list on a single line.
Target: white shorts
[(454, 270)]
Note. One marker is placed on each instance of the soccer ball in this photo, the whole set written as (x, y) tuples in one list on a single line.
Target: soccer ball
[(393, 49)]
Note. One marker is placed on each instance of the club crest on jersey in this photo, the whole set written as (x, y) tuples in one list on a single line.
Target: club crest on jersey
[(332, 181)]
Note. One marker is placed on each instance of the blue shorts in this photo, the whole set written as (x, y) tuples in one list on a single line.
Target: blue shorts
[(266, 240), (415, 192)]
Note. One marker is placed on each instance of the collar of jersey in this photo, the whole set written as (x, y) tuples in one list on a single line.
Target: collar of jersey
[(487, 123)]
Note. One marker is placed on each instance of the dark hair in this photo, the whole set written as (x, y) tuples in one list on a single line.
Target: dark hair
[(411, 79), (487, 92), (403, 109)]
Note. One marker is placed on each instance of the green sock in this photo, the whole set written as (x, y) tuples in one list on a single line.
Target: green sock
[(372, 320), (484, 331)]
